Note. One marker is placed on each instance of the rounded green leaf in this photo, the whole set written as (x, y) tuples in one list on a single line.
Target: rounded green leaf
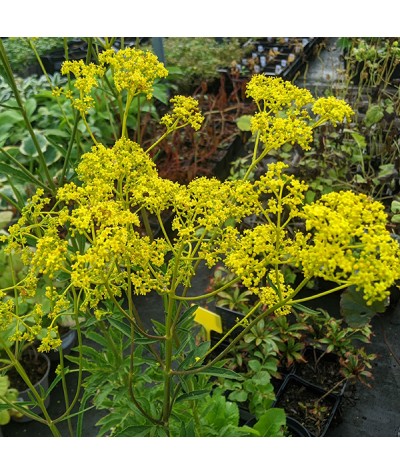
[(243, 123), (28, 147)]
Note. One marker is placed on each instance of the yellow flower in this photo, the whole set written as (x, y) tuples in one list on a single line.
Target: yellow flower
[(347, 242), (332, 109), (134, 70), (185, 112), (276, 131), (274, 94), (86, 79)]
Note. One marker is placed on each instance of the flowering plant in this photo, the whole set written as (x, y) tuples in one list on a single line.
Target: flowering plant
[(90, 242)]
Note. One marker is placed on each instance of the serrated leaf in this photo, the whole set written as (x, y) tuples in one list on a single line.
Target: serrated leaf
[(238, 396), (355, 310), (255, 365), (374, 115)]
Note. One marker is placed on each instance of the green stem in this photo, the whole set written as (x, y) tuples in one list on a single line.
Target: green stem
[(124, 131), (322, 294), (70, 145), (39, 60)]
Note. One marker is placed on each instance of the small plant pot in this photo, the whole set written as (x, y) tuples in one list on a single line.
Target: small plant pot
[(309, 405), (40, 386), (295, 429)]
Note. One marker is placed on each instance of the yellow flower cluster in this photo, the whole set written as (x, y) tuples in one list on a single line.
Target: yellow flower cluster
[(284, 112), (126, 160), (332, 109), (274, 94), (278, 131), (134, 70), (92, 234), (185, 111), (347, 242), (50, 254), (86, 79)]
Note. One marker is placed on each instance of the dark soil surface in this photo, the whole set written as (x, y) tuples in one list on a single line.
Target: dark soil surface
[(321, 369), (35, 368), (308, 406)]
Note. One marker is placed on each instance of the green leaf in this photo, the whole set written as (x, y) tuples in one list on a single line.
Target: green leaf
[(198, 394), (160, 92), (239, 396), (28, 147), (4, 417), (223, 373), (9, 118), (355, 310), (395, 206), (359, 139), (221, 413), (374, 115), (122, 327), (387, 171), (14, 173), (255, 365), (262, 378), (188, 429), (359, 179), (271, 423), (310, 196), (306, 310), (243, 123), (30, 106)]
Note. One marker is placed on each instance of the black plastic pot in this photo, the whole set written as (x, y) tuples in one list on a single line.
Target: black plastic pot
[(331, 363), (296, 429), (296, 392), (41, 385)]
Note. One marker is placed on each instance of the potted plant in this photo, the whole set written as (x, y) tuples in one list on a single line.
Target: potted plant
[(27, 371), (310, 406), (151, 376)]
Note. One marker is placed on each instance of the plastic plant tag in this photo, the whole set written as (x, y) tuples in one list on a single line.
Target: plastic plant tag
[(209, 320)]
